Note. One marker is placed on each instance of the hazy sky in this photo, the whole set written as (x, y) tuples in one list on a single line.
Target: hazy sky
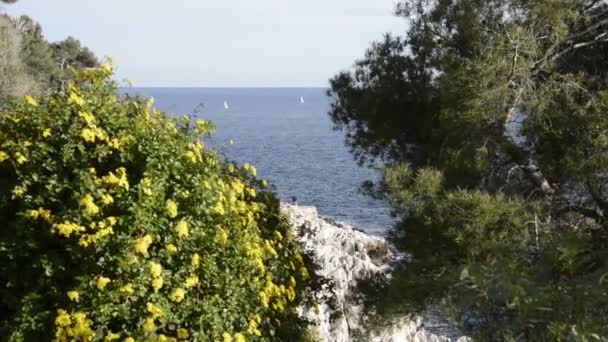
[(220, 42)]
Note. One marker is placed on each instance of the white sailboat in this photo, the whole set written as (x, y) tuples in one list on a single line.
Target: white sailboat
[(226, 104), (301, 99)]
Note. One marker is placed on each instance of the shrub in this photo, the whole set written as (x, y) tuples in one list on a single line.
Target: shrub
[(118, 224)]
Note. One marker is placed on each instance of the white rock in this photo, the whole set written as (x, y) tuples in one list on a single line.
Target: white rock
[(345, 255)]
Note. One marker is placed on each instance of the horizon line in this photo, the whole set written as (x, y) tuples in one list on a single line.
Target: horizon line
[(228, 87)]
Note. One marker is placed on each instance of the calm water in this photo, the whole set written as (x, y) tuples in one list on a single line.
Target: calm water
[(292, 144)]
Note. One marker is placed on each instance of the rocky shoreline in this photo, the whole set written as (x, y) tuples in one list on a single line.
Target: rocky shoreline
[(342, 256)]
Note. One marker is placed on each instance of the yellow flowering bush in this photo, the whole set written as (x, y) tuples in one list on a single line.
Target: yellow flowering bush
[(118, 225)]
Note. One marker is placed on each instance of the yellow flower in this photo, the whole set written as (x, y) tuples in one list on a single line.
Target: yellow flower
[(196, 260), (182, 333), (154, 310), (226, 336), (88, 118), (107, 199), (117, 178), (88, 135), (3, 156), (67, 228), (20, 158), (142, 244), (114, 143), (253, 328), (184, 119), (146, 186), (86, 240), (201, 125), (157, 283), (74, 98), (63, 318), (238, 337), (167, 339), (112, 337), (129, 339), (155, 269), (102, 282), (74, 296), (106, 68), (82, 327), (163, 338), (171, 127), (41, 213), (182, 229), (46, 133), (90, 208), (171, 249), (219, 208), (171, 207), (191, 155), (30, 100), (250, 168), (149, 325), (100, 133), (264, 298), (18, 191), (178, 295), (222, 237), (128, 289), (191, 281), (264, 183)]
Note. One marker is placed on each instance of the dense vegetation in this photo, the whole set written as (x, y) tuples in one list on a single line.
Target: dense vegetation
[(118, 224), (29, 64), (490, 116)]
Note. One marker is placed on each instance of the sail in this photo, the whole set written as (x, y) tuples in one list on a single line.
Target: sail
[(301, 99), (225, 105)]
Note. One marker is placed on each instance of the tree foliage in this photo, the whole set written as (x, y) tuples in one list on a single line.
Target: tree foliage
[(36, 52), (491, 118), (69, 52), (118, 224), (15, 82), (36, 64)]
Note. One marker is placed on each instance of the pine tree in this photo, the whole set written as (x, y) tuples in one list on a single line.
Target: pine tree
[(490, 117)]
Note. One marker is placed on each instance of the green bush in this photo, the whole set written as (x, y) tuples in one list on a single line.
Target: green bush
[(506, 274), (119, 225)]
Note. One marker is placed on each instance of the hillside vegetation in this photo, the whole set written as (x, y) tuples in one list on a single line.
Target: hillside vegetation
[(29, 64)]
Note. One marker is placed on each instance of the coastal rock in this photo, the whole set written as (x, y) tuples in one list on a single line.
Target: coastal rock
[(343, 256)]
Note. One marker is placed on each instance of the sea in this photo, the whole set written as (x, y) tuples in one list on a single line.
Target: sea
[(288, 136)]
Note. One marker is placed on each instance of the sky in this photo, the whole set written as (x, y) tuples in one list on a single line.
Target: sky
[(220, 43)]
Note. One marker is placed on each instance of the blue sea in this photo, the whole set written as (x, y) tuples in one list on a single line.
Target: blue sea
[(292, 144)]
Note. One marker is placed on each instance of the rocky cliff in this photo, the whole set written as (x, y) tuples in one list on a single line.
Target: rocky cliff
[(343, 256)]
